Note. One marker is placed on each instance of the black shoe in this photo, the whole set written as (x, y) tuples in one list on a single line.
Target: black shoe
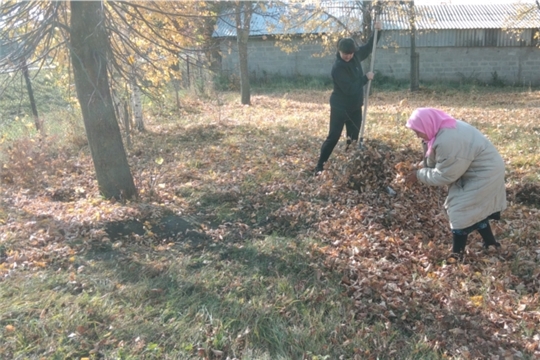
[(351, 144), (318, 170)]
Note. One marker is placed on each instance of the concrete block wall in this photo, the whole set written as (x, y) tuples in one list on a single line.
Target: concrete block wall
[(267, 59), (513, 65)]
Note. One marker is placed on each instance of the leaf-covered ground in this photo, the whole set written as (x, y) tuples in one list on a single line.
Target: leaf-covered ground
[(219, 172)]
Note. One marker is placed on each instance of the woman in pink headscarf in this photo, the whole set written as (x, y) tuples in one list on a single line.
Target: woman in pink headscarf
[(460, 156)]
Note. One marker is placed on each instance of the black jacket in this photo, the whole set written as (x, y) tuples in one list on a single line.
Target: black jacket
[(349, 79)]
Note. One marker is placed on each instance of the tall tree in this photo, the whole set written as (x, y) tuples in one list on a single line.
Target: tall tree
[(244, 10), (20, 61), (89, 47), (415, 57), (30, 91), (212, 50), (526, 14), (236, 16), (537, 32), (326, 22), (89, 55), (97, 42)]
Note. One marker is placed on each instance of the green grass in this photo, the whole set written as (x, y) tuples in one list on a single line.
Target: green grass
[(265, 299), (266, 281), (268, 297)]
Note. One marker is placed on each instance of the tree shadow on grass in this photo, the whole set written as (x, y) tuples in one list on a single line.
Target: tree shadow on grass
[(161, 285), (160, 281), (213, 278)]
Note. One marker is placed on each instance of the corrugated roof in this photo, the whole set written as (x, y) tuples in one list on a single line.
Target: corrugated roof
[(270, 20), (428, 17), (474, 16)]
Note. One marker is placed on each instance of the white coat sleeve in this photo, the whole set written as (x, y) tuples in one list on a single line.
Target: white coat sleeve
[(448, 168)]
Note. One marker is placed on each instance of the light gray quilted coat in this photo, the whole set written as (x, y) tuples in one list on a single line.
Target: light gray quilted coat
[(465, 160)]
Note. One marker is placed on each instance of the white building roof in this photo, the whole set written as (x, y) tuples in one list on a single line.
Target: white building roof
[(428, 17)]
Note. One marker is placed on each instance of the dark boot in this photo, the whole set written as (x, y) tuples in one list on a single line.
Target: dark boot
[(459, 242), (487, 236), (349, 142), (495, 216)]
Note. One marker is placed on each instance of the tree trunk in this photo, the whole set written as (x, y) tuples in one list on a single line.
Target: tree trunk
[(127, 124), (415, 57), (176, 84), (366, 20), (243, 20), (415, 71), (188, 73), (212, 51), (89, 51), (31, 96), (137, 105)]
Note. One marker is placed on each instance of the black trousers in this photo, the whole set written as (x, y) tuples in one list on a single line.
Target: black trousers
[(339, 118), (483, 227)]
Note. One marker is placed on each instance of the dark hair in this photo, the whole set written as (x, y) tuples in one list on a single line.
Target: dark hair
[(346, 45)]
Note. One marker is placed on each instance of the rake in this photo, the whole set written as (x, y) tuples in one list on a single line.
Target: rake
[(366, 98)]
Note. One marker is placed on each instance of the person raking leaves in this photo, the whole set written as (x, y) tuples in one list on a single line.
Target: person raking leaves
[(347, 97), (460, 156)]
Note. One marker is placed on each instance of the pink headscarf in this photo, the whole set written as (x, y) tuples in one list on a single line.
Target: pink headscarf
[(429, 121)]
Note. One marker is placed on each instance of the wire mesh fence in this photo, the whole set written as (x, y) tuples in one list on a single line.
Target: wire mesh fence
[(56, 102)]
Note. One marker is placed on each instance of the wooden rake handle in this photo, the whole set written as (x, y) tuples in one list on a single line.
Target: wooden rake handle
[(366, 99)]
